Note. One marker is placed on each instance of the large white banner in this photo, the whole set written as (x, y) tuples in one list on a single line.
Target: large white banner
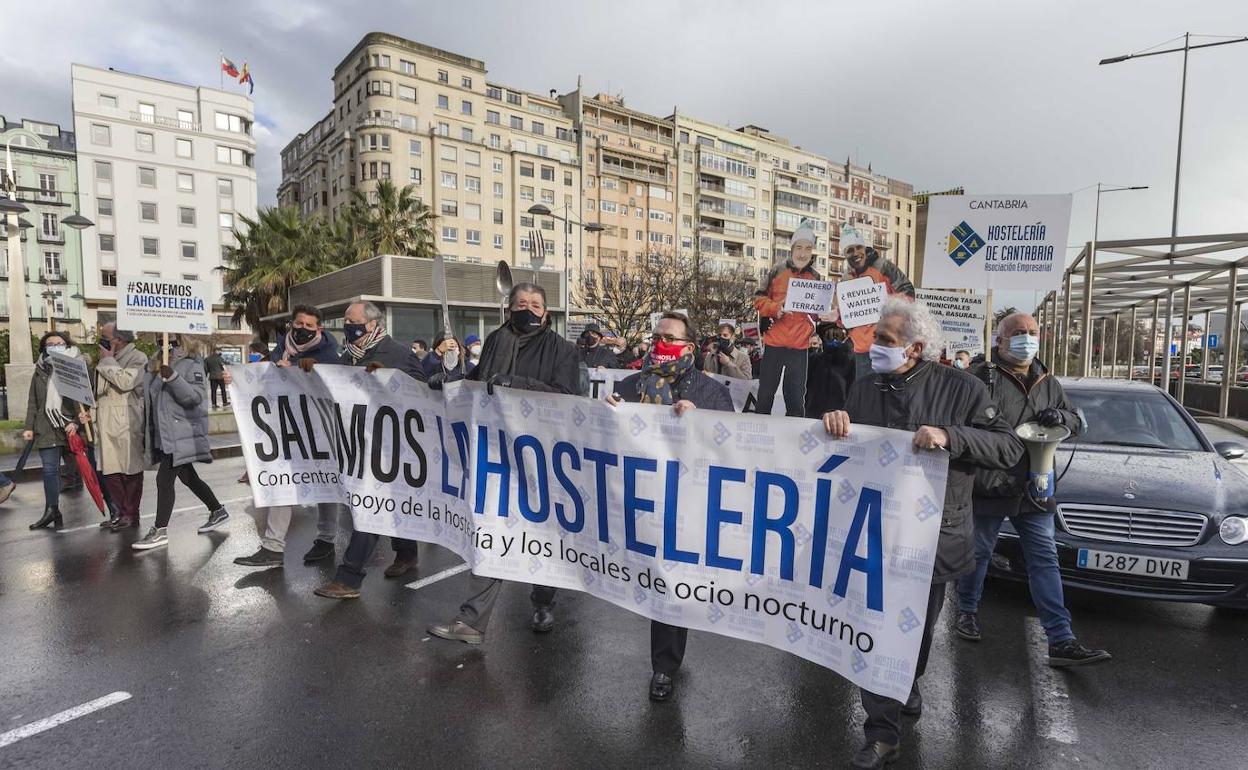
[(758, 528), (744, 392), (996, 241), (961, 318), (164, 305)]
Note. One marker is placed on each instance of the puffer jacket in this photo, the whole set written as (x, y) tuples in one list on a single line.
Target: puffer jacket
[(1003, 492), (979, 437), (793, 330), (879, 270), (177, 421)]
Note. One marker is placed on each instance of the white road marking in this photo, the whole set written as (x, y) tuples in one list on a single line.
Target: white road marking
[(34, 728), (1050, 701), (153, 515), (443, 575)]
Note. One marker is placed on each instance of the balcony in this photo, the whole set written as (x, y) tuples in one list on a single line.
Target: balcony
[(57, 237), (46, 276), (633, 173), (157, 120), (371, 121), (716, 187)]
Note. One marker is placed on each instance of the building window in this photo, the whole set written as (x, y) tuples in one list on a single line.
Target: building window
[(108, 100), (147, 177), (407, 93), (444, 102), (107, 242), (548, 173), (444, 129), (513, 97), (413, 146), (101, 135), (497, 165), (189, 250), (108, 278), (444, 76), (448, 152), (147, 212), (233, 156), (498, 216), (526, 169), (492, 117), (225, 188), (186, 215), (151, 247), (450, 234), (103, 171), (407, 67), (186, 182), (186, 120), (548, 197), (498, 189), (465, 107), (472, 158), (498, 241), (472, 184), (182, 147), (413, 176), (526, 193), (465, 133), (450, 180), (472, 211), (517, 122), (144, 142), (228, 323), (466, 82), (494, 92), (225, 220), (567, 178), (104, 207), (472, 237), (496, 141), (450, 208)]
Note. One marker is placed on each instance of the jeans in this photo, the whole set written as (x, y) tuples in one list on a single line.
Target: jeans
[(225, 397), (277, 523), (792, 363), (1035, 533), (50, 457), (884, 714), (360, 547), (165, 475)]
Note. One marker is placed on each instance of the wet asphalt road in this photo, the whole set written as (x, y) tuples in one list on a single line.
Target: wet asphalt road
[(232, 667)]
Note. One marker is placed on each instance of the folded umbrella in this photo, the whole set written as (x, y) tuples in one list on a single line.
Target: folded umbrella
[(89, 479)]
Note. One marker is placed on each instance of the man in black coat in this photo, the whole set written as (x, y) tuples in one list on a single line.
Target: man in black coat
[(368, 344), (526, 354), (1023, 391), (670, 377), (946, 409), (830, 372), (593, 352)]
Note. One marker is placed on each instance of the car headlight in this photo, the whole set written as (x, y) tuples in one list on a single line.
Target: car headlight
[(1234, 530)]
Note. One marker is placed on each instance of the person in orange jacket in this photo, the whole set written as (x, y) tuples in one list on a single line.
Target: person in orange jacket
[(788, 336), (865, 261)]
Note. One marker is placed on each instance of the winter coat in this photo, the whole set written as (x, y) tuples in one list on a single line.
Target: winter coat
[(177, 420), (47, 435), (119, 412), (828, 379), (704, 391), (389, 354), (879, 270), (1003, 492), (737, 368), (943, 397), (599, 355), (215, 365), (325, 353), (546, 362), (793, 330)]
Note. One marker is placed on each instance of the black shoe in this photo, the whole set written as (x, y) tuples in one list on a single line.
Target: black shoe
[(875, 754), (1072, 653), (110, 522), (913, 707), (321, 549), (262, 558), (967, 626), (543, 620), (51, 515), (661, 687)]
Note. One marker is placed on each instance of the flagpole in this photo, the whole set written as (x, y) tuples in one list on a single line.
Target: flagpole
[(221, 68)]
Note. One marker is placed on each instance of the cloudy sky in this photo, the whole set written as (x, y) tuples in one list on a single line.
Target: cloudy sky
[(998, 97)]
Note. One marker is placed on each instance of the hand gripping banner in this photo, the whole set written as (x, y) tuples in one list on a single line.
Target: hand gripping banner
[(754, 527)]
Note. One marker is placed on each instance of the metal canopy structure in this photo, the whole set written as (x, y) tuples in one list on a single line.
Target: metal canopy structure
[(1114, 281)]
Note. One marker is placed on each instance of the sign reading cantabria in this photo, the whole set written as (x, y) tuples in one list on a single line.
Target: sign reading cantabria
[(759, 528), (164, 305), (996, 241)]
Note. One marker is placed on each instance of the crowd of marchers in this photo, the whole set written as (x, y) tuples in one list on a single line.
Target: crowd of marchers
[(892, 374)]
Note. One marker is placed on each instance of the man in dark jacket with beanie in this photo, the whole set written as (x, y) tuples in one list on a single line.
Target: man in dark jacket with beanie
[(526, 354), (1023, 391), (670, 377), (947, 409), (368, 344)]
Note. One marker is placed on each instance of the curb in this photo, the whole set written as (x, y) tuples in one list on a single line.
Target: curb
[(1234, 426), (35, 473)]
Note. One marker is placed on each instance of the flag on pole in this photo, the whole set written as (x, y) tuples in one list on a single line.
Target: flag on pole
[(247, 79), (228, 67)]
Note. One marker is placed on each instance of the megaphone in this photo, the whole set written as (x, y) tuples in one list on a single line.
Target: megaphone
[(1041, 447)]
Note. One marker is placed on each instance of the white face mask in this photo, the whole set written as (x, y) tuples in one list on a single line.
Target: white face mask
[(55, 348), (474, 350), (886, 360)]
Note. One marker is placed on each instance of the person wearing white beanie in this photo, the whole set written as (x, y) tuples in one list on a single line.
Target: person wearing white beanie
[(803, 233), (863, 261), (788, 333)]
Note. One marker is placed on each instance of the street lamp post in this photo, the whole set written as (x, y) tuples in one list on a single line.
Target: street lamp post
[(1090, 266), (541, 210)]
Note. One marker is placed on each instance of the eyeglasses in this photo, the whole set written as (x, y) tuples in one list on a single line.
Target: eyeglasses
[(668, 338)]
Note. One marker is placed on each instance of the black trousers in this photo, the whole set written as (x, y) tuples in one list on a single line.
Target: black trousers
[(667, 647), (792, 364), (165, 475), (884, 714), (225, 395), (360, 547)]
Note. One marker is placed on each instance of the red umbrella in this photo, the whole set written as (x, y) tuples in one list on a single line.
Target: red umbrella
[(85, 469)]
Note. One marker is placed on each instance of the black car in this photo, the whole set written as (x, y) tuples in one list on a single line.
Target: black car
[(1147, 506)]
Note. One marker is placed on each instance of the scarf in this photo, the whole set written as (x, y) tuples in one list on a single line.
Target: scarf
[(53, 400), (499, 354), (655, 385), (296, 351), (360, 347)]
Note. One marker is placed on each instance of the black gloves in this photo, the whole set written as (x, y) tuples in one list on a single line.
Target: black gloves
[(1050, 417)]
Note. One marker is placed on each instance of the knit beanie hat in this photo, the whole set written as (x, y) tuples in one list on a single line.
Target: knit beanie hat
[(850, 237), (804, 232)]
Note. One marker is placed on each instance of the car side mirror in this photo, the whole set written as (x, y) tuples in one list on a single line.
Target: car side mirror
[(1230, 450)]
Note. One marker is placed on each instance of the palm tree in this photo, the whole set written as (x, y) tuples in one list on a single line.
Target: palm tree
[(398, 223)]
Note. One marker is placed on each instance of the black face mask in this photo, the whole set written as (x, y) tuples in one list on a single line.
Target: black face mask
[(302, 336), (354, 331), (105, 343), (525, 320), (725, 346)]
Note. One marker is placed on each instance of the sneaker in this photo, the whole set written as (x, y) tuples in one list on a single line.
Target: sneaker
[(1072, 653), (967, 626), (5, 492), (262, 558), (321, 549), (336, 590), (155, 538), (874, 755), (215, 520)]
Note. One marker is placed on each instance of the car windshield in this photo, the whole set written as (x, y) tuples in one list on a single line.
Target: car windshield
[(1132, 418)]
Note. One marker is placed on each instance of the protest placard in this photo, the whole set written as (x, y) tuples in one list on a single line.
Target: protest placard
[(72, 378), (169, 305), (859, 301), (806, 296), (961, 318)]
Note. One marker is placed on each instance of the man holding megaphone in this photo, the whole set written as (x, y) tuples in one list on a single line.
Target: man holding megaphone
[(1032, 401)]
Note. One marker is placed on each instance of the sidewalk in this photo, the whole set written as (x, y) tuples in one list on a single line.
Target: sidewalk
[(1227, 423), (222, 444)]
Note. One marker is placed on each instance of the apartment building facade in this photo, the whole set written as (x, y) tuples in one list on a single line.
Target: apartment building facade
[(165, 170), (44, 164)]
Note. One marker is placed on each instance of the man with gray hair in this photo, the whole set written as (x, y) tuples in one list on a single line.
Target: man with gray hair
[(1023, 391), (120, 421), (945, 409)]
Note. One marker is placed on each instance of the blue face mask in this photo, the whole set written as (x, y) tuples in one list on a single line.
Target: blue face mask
[(833, 344), (253, 357), (1023, 347)]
